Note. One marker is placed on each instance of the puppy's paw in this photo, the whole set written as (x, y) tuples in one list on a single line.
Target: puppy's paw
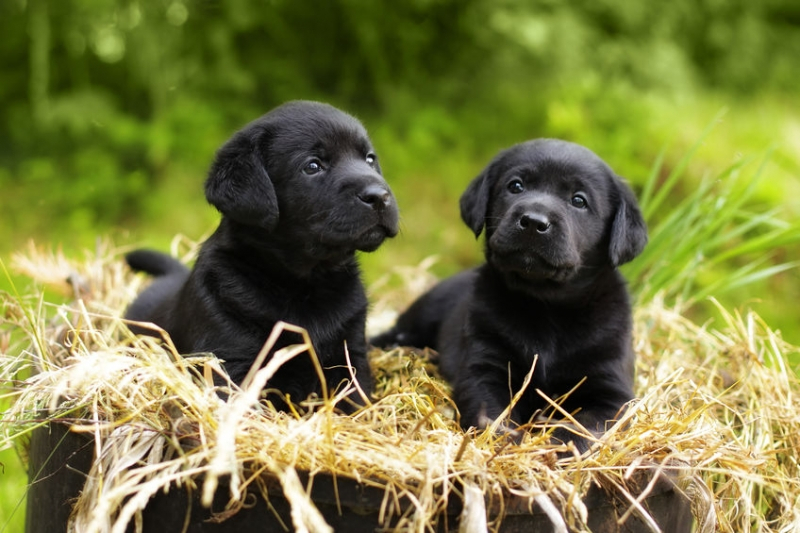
[(502, 429), (566, 434)]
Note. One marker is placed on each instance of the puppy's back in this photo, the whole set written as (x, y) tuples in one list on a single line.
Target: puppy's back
[(155, 263), (419, 325), (154, 303)]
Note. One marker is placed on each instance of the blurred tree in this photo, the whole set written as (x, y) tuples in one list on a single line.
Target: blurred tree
[(102, 100)]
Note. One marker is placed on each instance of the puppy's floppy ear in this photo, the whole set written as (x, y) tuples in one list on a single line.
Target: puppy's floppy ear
[(628, 231), (475, 202), (238, 184)]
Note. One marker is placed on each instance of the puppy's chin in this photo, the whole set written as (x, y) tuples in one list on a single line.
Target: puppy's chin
[(529, 268), (372, 238), (531, 275), (364, 240)]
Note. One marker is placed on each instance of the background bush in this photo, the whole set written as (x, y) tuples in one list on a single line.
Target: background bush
[(111, 111)]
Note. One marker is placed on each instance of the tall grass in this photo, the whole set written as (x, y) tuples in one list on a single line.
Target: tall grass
[(714, 239)]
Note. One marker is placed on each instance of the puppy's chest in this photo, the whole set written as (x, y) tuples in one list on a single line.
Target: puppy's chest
[(551, 335), (321, 314), (322, 310)]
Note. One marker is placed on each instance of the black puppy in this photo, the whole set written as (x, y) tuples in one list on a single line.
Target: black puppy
[(558, 222), (300, 191)]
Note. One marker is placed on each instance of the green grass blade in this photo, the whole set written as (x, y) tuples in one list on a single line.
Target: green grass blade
[(704, 235), (651, 206), (746, 275), (650, 185)]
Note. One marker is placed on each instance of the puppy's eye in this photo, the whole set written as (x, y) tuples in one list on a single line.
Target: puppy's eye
[(515, 186), (579, 201), (372, 159), (313, 167)]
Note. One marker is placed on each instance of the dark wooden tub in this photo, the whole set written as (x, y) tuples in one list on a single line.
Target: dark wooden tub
[(59, 459)]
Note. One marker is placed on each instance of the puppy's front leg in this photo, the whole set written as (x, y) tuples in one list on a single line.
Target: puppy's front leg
[(354, 368), (501, 427), (483, 392), (593, 420)]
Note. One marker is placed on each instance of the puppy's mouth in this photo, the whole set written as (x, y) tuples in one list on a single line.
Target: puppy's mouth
[(550, 273), (530, 267), (370, 239), (354, 228), (365, 238)]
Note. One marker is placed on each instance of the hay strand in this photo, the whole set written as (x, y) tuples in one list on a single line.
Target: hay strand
[(717, 409)]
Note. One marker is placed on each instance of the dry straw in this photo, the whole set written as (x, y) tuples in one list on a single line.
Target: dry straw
[(717, 406)]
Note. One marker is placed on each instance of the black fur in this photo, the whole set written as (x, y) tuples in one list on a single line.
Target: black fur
[(550, 287), (300, 191)]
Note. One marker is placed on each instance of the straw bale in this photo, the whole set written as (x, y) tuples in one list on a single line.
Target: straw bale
[(717, 407)]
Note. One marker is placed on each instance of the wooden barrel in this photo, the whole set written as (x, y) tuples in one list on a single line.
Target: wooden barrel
[(59, 460)]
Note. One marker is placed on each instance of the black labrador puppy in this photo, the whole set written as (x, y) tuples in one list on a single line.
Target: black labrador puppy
[(300, 191), (558, 223)]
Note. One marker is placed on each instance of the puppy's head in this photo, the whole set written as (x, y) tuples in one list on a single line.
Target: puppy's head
[(307, 174), (554, 214)]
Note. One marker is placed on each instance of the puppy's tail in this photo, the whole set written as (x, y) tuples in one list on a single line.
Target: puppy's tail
[(155, 263)]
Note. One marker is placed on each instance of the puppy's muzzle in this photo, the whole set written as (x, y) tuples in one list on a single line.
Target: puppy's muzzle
[(534, 221), (376, 197)]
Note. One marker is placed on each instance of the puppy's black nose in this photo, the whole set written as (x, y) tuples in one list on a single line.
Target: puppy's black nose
[(534, 221), (375, 196)]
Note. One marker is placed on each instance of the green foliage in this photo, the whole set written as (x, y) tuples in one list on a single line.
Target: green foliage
[(12, 492), (710, 241), (111, 112)]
